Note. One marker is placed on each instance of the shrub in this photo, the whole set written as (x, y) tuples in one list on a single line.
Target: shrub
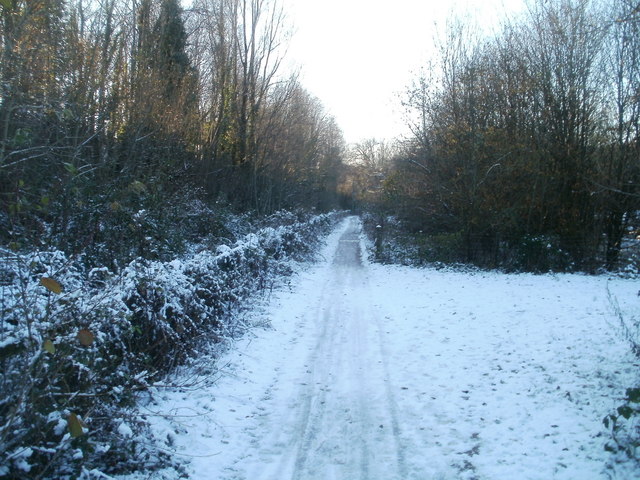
[(441, 248), (540, 253), (624, 426), (77, 344), (624, 423)]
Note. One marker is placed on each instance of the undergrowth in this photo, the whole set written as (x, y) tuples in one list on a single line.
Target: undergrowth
[(80, 342), (624, 422), (396, 241)]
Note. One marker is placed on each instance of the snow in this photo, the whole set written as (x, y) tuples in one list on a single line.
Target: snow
[(386, 372), (125, 430), (20, 459)]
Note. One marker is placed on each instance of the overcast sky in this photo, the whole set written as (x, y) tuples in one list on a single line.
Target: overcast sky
[(357, 56)]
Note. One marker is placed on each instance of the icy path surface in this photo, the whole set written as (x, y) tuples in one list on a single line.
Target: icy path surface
[(379, 373)]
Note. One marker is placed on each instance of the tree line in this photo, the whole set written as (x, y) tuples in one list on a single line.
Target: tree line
[(525, 147), (115, 115), (117, 107)]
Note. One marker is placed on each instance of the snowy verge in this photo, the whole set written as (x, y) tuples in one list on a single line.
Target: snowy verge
[(78, 346)]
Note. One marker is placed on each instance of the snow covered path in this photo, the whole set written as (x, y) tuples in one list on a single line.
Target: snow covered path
[(379, 373), (331, 412)]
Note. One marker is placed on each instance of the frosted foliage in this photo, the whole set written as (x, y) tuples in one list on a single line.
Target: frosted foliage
[(72, 361)]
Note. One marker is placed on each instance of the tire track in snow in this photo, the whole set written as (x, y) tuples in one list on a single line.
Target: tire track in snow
[(343, 422), (317, 447)]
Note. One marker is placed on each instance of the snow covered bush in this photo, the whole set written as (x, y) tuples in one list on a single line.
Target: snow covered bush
[(77, 343), (63, 352), (624, 423)]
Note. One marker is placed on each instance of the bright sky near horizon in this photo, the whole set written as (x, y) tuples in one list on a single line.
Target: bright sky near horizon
[(358, 56)]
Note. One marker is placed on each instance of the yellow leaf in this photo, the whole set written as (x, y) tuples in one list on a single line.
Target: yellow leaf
[(51, 285), (85, 337), (49, 346), (75, 426)]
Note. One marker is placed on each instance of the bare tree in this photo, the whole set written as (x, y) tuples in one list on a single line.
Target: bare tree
[(527, 107)]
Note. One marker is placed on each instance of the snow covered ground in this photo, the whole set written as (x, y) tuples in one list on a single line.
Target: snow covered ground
[(382, 372)]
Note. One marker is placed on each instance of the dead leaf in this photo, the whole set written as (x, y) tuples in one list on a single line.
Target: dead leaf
[(85, 337), (51, 285), (75, 426)]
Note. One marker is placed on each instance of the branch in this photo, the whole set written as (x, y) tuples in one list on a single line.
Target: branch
[(486, 175), (418, 164), (613, 189)]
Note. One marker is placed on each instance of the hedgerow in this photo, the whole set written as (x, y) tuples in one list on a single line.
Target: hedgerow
[(79, 343)]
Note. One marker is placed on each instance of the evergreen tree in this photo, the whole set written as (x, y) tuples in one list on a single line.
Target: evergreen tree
[(171, 59)]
